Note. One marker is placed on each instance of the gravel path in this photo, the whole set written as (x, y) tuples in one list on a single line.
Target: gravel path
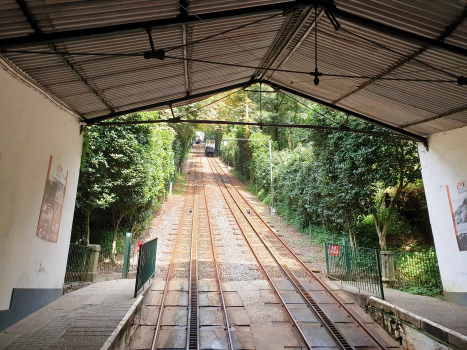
[(311, 255), (164, 226)]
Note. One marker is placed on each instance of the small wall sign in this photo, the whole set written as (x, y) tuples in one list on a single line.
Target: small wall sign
[(52, 202), (457, 195), (334, 250)]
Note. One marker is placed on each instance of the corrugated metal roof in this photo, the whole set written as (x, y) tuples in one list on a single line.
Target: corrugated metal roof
[(98, 85)]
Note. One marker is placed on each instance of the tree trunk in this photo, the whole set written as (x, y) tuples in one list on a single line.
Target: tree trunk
[(351, 236), (382, 232), (88, 217), (114, 242)]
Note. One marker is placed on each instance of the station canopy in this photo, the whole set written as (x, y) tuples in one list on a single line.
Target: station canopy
[(398, 63)]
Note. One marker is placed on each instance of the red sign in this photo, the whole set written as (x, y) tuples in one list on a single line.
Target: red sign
[(334, 250), (139, 244)]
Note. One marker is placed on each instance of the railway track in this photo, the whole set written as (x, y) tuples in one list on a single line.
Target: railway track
[(293, 268), (194, 235), (276, 302)]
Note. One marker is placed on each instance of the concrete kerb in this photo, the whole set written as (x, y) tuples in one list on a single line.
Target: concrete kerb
[(113, 276), (435, 330), (122, 334)]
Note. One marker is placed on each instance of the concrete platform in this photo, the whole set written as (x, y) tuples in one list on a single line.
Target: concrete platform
[(440, 311), (83, 319), (420, 321)]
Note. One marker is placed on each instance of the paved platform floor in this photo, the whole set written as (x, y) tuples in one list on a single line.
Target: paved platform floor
[(83, 319), (440, 311)]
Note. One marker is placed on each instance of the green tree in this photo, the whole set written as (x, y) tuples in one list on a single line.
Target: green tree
[(125, 172)]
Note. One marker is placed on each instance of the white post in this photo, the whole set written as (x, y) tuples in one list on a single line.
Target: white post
[(270, 164), (170, 189)]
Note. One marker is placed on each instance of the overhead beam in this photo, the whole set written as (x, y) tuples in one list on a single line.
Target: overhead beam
[(170, 102), (32, 21), (439, 116), (386, 72), (302, 39), (177, 120), (80, 77), (27, 13), (398, 33), (78, 34), (348, 111), (446, 32), (281, 43), (185, 57)]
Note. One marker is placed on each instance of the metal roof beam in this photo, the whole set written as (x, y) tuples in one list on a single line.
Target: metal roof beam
[(348, 111), (177, 120), (185, 62), (448, 31), (399, 33), (171, 102), (79, 34), (302, 39), (80, 77), (27, 13), (388, 71), (184, 14), (32, 21), (271, 57), (439, 116)]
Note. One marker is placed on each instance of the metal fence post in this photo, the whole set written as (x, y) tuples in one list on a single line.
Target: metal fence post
[(309, 225), (270, 166), (327, 258), (348, 267), (126, 256)]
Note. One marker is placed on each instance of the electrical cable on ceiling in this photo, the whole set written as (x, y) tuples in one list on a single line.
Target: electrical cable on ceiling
[(460, 80), (222, 33), (212, 27)]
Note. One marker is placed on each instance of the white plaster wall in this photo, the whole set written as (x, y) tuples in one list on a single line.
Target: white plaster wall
[(445, 164), (32, 128)]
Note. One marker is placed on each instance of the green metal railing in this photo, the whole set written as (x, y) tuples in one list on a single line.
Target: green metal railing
[(359, 267), (417, 269), (77, 266), (146, 264)]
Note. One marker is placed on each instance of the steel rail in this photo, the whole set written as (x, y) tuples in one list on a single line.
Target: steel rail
[(333, 331), (295, 323), (169, 275), (360, 324), (214, 254)]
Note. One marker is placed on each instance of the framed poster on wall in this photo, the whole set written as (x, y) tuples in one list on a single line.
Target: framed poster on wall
[(52, 202), (457, 195)]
